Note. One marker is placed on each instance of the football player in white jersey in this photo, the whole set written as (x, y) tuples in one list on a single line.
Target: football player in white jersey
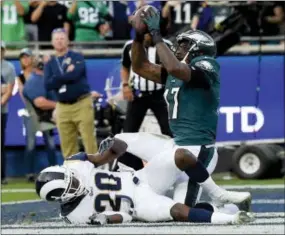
[(90, 195)]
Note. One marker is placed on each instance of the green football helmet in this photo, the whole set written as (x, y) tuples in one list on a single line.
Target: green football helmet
[(200, 43)]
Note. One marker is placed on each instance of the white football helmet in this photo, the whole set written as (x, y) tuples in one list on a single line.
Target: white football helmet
[(59, 183)]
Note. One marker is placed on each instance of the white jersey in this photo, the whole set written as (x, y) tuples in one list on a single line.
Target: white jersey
[(108, 191)]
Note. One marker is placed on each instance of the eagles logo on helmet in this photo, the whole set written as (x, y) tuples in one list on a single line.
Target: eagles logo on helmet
[(197, 43)]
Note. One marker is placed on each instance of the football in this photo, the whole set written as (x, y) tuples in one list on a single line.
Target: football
[(137, 22)]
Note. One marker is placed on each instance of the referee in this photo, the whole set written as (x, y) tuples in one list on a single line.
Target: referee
[(142, 95)]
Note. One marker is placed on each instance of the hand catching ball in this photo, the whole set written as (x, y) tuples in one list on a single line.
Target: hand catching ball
[(136, 21)]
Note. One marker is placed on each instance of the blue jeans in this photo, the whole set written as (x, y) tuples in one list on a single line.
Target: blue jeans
[(31, 146)]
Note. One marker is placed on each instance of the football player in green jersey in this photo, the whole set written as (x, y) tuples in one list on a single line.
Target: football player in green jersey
[(191, 77)]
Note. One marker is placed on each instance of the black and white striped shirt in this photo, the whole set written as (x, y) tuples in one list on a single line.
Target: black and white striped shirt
[(137, 82)]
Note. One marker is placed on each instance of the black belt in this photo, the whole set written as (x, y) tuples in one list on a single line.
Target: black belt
[(75, 101), (147, 93)]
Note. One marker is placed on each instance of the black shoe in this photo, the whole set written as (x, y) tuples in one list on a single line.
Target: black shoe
[(4, 181)]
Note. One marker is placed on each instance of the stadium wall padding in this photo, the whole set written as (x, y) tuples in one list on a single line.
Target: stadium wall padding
[(251, 101)]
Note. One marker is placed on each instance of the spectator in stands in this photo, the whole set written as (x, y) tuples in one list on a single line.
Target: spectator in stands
[(272, 18), (142, 95), (31, 28), (220, 11), (8, 76), (91, 19), (120, 23), (181, 14), (65, 73), (12, 22), (26, 61), (71, 23), (49, 15), (43, 102)]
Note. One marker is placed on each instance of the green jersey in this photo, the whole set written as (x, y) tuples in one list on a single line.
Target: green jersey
[(13, 26), (193, 109), (87, 16)]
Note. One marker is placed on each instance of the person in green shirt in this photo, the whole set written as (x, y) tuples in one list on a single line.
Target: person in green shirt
[(13, 26), (90, 19)]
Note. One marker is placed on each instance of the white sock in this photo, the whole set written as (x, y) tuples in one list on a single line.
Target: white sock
[(213, 190), (222, 218)]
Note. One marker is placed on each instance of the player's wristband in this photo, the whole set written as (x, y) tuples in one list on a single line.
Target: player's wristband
[(81, 156), (156, 36)]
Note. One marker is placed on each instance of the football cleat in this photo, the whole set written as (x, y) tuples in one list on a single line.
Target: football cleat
[(241, 199), (243, 217)]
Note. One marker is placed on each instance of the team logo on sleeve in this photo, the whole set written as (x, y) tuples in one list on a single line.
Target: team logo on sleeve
[(205, 65)]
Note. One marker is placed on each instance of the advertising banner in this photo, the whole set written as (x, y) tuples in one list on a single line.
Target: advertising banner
[(251, 107)]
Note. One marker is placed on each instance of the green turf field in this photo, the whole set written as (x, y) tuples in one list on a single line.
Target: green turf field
[(22, 185)]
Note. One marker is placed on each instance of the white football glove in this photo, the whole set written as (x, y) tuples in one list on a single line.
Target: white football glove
[(98, 219)]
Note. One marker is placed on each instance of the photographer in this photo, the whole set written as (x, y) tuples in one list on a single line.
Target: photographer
[(44, 104)]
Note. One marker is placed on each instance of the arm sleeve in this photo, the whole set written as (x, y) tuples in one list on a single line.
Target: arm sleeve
[(26, 7), (65, 19), (202, 74), (198, 8), (34, 90), (76, 74), (74, 16), (131, 8), (12, 75), (104, 12), (81, 156), (164, 75), (50, 81)]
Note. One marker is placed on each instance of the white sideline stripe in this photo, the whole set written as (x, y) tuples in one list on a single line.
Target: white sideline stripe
[(273, 214), (259, 201), (265, 201), (274, 186), (24, 190), (60, 223), (257, 215), (20, 202)]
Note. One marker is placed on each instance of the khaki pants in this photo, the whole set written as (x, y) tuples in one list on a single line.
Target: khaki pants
[(72, 119)]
